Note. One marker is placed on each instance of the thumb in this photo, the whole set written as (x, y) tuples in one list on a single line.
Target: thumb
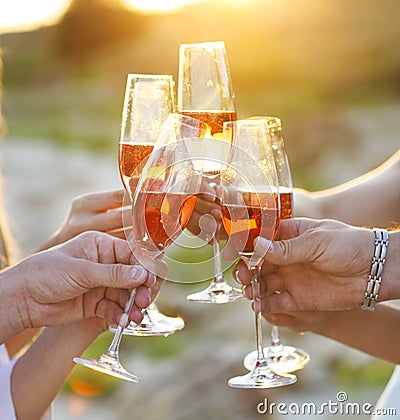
[(287, 251), (115, 275)]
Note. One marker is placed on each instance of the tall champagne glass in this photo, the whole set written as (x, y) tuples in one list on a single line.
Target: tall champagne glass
[(149, 99), (250, 208), (282, 358), (205, 92), (163, 203)]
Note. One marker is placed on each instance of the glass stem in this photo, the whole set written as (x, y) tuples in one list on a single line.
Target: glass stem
[(146, 318), (276, 346), (218, 277), (151, 307), (218, 272), (255, 286), (112, 350)]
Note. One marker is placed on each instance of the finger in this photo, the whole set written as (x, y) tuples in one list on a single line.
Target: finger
[(288, 251), (142, 297), (155, 266), (120, 234), (136, 314), (103, 222), (99, 202), (242, 273), (193, 224), (111, 250), (282, 320), (109, 310), (205, 203), (273, 283), (248, 291), (113, 275), (216, 213), (282, 302), (127, 216), (268, 268), (155, 289), (119, 296)]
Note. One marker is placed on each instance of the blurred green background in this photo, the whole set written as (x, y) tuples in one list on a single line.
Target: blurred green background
[(304, 61), (329, 69)]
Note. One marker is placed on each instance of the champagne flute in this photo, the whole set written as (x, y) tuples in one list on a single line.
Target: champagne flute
[(149, 99), (250, 208), (163, 203), (166, 194), (205, 92), (282, 358)]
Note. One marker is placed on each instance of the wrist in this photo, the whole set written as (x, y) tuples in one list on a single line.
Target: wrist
[(13, 309), (390, 288), (323, 322)]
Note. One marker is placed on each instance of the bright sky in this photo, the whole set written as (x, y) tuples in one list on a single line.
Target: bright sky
[(22, 15)]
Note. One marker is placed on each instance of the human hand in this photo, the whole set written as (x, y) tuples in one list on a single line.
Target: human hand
[(94, 211), (207, 204), (302, 321), (317, 265), (88, 276)]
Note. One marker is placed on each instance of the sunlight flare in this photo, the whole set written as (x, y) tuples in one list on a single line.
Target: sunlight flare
[(157, 6)]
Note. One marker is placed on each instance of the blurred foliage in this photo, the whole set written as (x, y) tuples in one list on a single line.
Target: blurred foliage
[(159, 347), (93, 24), (300, 60), (372, 374)]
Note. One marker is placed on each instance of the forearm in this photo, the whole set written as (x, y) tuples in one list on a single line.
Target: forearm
[(390, 285), (13, 313), (41, 372), (376, 333), (17, 343), (369, 200)]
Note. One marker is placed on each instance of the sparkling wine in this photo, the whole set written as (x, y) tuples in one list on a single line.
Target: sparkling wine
[(166, 216), (215, 152), (130, 156), (286, 208), (214, 119), (257, 216)]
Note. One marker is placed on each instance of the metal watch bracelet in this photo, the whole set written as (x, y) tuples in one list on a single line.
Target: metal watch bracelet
[(375, 277)]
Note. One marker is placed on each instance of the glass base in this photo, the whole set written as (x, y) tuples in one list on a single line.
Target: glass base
[(216, 293), (154, 324), (288, 360), (262, 378), (174, 323), (109, 366)]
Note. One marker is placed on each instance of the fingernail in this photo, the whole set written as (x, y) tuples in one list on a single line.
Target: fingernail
[(138, 273), (154, 279)]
